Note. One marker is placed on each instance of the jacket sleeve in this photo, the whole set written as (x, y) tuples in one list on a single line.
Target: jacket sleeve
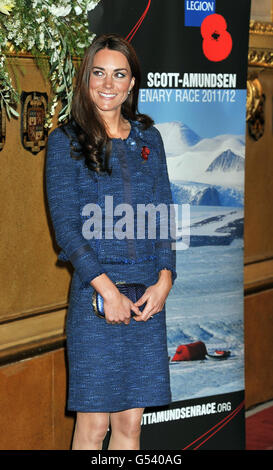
[(165, 218), (64, 207)]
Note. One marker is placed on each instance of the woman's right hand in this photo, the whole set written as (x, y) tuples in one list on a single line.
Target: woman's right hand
[(117, 308)]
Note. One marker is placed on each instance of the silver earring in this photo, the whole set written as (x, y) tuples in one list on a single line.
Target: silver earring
[(129, 92)]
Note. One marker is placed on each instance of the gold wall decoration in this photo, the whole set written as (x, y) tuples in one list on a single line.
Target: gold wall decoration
[(33, 115), (260, 53), (255, 108), (254, 97), (256, 123), (259, 27), (260, 58), (2, 127)]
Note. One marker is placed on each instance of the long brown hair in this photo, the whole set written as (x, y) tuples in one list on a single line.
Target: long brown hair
[(89, 126)]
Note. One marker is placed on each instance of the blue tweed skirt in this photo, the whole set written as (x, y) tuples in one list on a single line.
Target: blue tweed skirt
[(115, 367)]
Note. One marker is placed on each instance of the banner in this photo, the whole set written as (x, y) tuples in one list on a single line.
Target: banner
[(194, 62)]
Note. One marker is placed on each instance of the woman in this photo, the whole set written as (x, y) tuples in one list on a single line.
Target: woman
[(117, 365)]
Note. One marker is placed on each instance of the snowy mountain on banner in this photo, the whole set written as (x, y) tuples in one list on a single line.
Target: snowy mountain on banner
[(227, 161), (177, 137), (207, 171), (215, 160)]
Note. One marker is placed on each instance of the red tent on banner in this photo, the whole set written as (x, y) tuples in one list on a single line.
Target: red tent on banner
[(190, 352)]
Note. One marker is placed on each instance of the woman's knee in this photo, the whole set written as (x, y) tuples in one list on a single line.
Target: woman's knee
[(92, 426), (127, 423)]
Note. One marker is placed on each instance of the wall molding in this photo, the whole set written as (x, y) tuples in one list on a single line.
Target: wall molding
[(33, 312), (260, 53), (258, 276), (31, 336)]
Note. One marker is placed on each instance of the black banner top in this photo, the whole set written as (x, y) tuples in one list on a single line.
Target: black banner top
[(216, 32)]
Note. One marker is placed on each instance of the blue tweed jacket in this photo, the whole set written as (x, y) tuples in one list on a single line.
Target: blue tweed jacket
[(73, 191)]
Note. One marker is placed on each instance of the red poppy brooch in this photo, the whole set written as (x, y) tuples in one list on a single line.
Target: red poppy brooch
[(145, 152)]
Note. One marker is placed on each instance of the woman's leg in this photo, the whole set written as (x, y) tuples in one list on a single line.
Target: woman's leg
[(90, 431), (125, 429)]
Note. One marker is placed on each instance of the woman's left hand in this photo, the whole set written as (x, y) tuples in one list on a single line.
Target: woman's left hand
[(155, 296)]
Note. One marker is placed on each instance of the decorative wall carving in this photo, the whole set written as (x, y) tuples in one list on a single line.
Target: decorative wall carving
[(260, 58), (33, 115), (260, 52)]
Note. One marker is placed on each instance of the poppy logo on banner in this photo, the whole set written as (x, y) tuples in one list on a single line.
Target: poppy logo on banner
[(217, 41), (197, 10)]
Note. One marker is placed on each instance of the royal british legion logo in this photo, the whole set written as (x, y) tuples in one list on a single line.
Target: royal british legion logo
[(197, 10)]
